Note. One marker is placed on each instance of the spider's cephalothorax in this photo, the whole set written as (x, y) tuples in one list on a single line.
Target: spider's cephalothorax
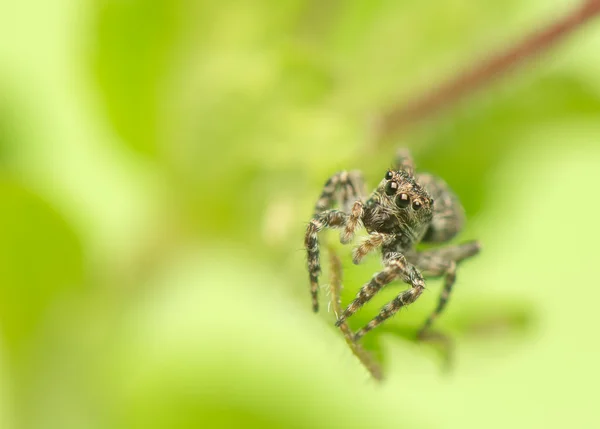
[(399, 206), (405, 209)]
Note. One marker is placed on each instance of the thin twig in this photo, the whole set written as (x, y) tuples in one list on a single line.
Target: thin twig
[(336, 285), (469, 80)]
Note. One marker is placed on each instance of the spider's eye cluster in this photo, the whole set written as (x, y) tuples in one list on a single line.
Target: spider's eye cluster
[(391, 188), (402, 201)]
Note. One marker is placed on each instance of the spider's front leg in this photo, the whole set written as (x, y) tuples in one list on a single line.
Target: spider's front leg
[(344, 187), (327, 219), (396, 267)]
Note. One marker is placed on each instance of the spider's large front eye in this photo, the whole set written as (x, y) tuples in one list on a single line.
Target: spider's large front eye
[(389, 175), (417, 205), (391, 188), (402, 201)]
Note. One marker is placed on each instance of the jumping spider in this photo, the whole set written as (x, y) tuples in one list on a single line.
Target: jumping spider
[(399, 214)]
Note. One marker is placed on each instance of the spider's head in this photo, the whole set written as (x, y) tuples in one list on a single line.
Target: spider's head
[(405, 199)]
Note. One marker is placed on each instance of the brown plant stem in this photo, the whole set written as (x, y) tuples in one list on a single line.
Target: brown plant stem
[(363, 356), (425, 105)]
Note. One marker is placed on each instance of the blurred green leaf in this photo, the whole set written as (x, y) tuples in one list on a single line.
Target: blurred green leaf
[(40, 259), (134, 47)]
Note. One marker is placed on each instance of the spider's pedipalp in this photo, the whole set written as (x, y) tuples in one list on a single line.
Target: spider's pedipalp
[(353, 223), (375, 240)]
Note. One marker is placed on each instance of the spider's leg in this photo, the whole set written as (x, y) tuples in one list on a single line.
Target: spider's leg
[(409, 274), (344, 187), (404, 161), (375, 240), (439, 262), (396, 266), (327, 219), (449, 279)]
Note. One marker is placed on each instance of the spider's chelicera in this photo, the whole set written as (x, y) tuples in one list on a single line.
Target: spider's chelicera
[(405, 209)]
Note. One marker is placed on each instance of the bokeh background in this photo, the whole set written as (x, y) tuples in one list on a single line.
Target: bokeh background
[(159, 161)]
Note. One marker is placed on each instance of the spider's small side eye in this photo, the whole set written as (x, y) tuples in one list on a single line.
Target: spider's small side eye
[(416, 205), (402, 201), (430, 201), (390, 188), (389, 175)]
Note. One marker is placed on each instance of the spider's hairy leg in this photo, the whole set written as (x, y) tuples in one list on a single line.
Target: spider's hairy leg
[(327, 219), (409, 274), (344, 187), (404, 161), (375, 240), (458, 252), (433, 262), (449, 280), (396, 266), (438, 262)]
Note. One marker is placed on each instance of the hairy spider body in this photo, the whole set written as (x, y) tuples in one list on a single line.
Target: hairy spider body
[(405, 209)]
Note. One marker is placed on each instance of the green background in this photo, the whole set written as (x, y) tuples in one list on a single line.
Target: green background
[(158, 164)]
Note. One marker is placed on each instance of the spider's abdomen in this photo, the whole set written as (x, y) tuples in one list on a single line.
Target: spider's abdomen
[(448, 214)]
